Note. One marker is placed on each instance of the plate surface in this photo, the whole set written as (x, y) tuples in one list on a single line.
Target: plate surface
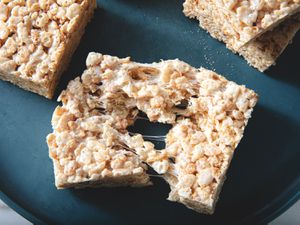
[(264, 177)]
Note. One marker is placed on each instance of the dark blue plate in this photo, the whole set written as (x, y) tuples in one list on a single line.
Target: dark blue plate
[(263, 180)]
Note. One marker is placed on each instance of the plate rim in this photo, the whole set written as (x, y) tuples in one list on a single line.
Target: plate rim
[(19, 209), (283, 201)]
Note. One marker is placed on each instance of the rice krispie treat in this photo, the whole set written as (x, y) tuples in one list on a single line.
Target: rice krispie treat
[(85, 145), (38, 38), (236, 22), (263, 48), (263, 52), (208, 114)]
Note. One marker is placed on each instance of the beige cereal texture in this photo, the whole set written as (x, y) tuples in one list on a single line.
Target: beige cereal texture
[(236, 22), (38, 38), (262, 50), (91, 145)]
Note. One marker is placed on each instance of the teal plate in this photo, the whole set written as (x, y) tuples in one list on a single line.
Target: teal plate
[(263, 179)]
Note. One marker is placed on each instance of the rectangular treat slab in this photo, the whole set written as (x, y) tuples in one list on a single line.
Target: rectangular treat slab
[(236, 22), (261, 52), (37, 40), (91, 146)]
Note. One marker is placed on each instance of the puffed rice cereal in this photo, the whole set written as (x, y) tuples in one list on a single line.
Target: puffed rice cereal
[(90, 144), (37, 40), (236, 22)]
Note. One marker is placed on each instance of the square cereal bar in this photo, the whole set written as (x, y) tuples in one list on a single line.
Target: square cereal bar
[(236, 22), (38, 38), (90, 143)]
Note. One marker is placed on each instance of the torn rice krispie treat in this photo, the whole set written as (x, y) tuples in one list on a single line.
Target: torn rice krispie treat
[(85, 145), (236, 22), (205, 132), (208, 113), (38, 38), (262, 50)]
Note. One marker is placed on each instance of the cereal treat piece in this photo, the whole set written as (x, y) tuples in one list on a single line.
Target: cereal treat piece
[(262, 52), (208, 113), (38, 38), (236, 22), (85, 146)]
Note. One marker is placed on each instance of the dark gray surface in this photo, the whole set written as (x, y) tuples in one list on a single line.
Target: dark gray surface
[(262, 180)]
